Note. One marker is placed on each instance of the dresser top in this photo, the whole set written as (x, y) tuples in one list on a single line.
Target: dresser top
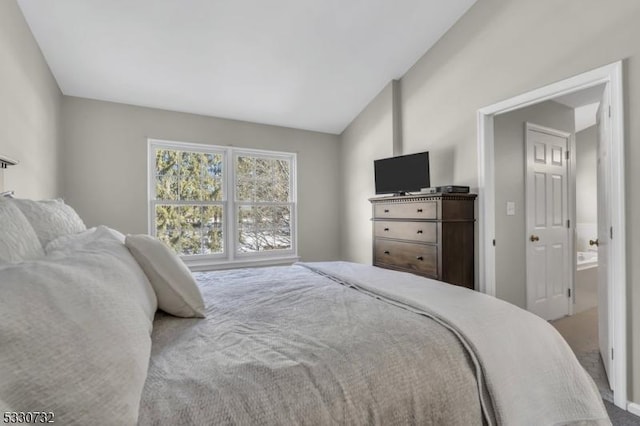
[(421, 197)]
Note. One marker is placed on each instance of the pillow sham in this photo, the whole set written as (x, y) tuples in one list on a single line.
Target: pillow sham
[(50, 218), (18, 240), (77, 339), (176, 289), (104, 242)]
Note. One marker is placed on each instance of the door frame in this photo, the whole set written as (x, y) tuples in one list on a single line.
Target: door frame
[(569, 165), (611, 75)]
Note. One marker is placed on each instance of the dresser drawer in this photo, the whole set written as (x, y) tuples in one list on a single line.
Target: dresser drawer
[(426, 232), (420, 210), (413, 257)]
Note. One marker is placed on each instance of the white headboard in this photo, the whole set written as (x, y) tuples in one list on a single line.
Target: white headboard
[(4, 163)]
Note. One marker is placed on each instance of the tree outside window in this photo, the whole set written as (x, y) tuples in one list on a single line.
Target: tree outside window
[(190, 204)]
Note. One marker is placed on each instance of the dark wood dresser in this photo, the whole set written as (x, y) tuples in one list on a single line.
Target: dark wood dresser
[(428, 234)]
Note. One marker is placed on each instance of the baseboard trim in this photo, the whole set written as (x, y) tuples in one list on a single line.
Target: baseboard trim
[(633, 408)]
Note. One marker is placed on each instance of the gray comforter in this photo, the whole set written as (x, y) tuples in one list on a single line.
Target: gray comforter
[(289, 345)]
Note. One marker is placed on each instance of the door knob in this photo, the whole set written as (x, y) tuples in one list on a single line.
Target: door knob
[(534, 238), (593, 243)]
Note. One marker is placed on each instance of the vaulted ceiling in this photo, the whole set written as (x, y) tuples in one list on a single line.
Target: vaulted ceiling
[(308, 64)]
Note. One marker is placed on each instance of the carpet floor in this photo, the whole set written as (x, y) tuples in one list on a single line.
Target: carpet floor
[(581, 333)]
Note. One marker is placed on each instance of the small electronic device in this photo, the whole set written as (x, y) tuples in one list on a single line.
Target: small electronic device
[(448, 189), (428, 190)]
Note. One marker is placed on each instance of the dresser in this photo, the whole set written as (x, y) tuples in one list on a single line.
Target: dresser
[(430, 235)]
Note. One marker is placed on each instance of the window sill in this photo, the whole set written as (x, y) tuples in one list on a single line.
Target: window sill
[(200, 265)]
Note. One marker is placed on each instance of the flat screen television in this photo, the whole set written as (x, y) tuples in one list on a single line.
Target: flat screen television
[(402, 174)]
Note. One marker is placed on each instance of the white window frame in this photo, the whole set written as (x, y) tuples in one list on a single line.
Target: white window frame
[(238, 152), (230, 257)]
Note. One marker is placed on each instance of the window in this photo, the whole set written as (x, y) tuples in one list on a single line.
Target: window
[(222, 204)]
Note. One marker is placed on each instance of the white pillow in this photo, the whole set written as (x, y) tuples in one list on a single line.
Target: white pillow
[(176, 289), (75, 337), (104, 241), (50, 218), (18, 240)]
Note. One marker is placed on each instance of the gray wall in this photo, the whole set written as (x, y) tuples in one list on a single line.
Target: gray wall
[(587, 175), (500, 49), (586, 187), (511, 242), (105, 167), (368, 138), (29, 110)]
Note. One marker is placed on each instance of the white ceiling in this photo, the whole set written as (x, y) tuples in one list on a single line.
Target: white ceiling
[(582, 97), (308, 64), (585, 105)]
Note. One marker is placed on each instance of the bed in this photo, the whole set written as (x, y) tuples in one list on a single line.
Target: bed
[(313, 343)]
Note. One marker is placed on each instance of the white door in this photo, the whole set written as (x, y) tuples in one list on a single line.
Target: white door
[(548, 261), (604, 226)]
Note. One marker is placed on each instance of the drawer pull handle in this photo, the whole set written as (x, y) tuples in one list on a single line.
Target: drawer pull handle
[(386, 210), (386, 252), (419, 231), (419, 257), (386, 229), (419, 210)]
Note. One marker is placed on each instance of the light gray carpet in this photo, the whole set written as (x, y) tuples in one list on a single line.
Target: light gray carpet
[(592, 362), (581, 333), (621, 417)]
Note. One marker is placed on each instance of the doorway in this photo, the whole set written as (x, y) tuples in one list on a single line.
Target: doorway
[(586, 330), (615, 295)]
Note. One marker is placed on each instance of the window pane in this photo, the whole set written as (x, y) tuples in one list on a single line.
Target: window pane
[(253, 239), (166, 174), (282, 239), (212, 165), (166, 162), (245, 167), (166, 187), (192, 229), (281, 183), (246, 230), (247, 240), (264, 192), (282, 227), (212, 233), (264, 228), (279, 180), (168, 226), (212, 188), (282, 216), (190, 176), (263, 215), (262, 179), (244, 190), (263, 168)]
